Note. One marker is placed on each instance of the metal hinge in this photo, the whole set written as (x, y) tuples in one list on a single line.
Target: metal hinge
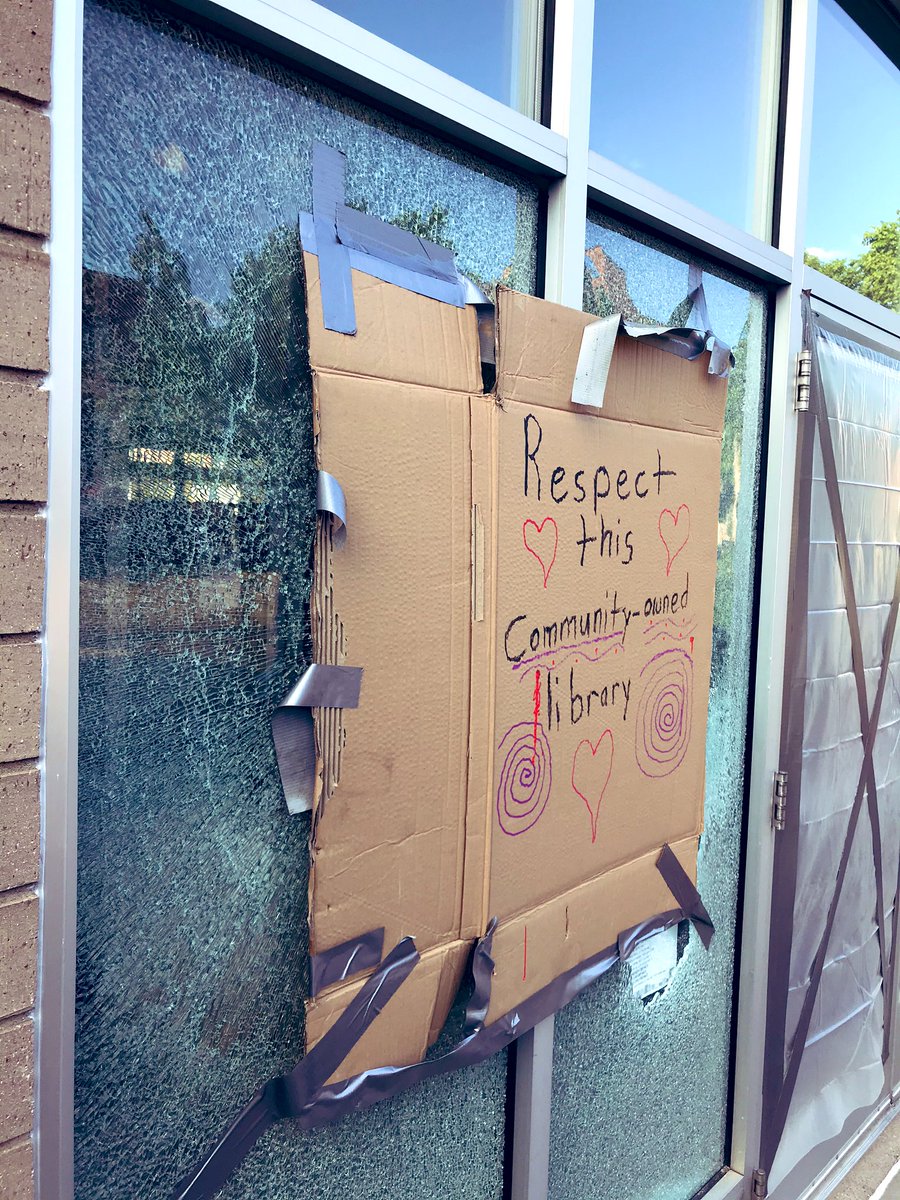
[(779, 800), (801, 383), (760, 1184)]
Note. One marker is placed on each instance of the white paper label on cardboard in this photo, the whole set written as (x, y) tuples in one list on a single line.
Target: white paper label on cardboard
[(653, 962)]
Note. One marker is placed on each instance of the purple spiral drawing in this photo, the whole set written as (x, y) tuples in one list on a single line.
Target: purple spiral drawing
[(525, 777), (663, 729)]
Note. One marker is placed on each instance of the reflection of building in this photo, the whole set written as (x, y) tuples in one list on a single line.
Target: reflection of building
[(607, 279), (172, 490)]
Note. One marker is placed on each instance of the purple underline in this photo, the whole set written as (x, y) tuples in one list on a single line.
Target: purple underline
[(560, 650)]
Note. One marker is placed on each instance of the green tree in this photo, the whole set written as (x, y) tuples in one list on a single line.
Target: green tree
[(874, 273)]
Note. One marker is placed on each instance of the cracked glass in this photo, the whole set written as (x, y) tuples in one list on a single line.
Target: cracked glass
[(197, 517), (641, 1086)]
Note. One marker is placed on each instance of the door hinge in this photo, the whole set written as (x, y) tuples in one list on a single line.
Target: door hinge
[(779, 800), (801, 383), (760, 1184)]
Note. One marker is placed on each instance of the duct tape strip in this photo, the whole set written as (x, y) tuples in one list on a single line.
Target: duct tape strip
[(338, 310), (283, 1096), (344, 238), (363, 232), (340, 962), (460, 292), (320, 686), (598, 343), (308, 1099), (330, 499), (679, 884)]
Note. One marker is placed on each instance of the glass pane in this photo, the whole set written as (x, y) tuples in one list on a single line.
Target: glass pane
[(197, 519), (491, 46), (677, 98), (853, 218), (640, 1089)]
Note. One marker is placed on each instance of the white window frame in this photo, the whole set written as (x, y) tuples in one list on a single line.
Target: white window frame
[(337, 49)]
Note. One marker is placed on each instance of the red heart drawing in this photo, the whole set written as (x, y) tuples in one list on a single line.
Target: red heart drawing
[(591, 772), (670, 533), (541, 547)]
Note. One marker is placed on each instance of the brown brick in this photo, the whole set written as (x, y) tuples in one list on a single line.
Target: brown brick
[(23, 441), (17, 1171), (20, 828), (25, 33), (24, 304), (18, 953), (16, 1078), (24, 168), (20, 700), (21, 571)]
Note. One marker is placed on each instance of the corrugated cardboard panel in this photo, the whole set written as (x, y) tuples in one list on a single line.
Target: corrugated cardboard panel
[(538, 351), (395, 600), (603, 643), (405, 1028), (529, 589), (532, 949), (401, 336)]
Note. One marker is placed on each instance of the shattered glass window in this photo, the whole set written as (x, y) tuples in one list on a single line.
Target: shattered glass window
[(641, 1086), (197, 517)]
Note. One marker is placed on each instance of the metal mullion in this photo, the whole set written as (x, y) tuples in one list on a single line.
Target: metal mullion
[(336, 48), (618, 188), (838, 296), (55, 1008), (774, 593), (570, 117), (564, 279)]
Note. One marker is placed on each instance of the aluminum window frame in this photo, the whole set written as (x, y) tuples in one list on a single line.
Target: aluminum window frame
[(557, 154)]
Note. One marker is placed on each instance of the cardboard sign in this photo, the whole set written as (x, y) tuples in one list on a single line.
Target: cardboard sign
[(529, 589)]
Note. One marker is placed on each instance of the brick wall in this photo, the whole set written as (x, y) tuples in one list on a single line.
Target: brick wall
[(25, 29)]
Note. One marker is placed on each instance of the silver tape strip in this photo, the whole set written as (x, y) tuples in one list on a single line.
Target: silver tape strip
[(330, 499), (320, 686)]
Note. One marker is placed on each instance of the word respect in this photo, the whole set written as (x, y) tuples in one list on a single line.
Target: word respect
[(621, 483)]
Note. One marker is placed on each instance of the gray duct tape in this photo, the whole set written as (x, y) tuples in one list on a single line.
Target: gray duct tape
[(371, 236), (330, 499), (454, 293), (344, 238), (679, 884), (340, 962), (599, 339), (306, 1097), (338, 311), (282, 1096), (320, 686)]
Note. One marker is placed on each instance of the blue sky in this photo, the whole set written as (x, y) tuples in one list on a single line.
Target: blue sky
[(855, 157)]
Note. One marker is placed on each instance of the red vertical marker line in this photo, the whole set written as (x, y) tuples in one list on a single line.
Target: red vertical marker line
[(692, 644), (537, 709), (525, 955)]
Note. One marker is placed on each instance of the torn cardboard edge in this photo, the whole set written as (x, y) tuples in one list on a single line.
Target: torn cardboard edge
[(305, 1096)]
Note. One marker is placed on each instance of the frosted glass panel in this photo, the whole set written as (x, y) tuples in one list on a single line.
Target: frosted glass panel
[(841, 1071), (197, 519), (640, 1090)]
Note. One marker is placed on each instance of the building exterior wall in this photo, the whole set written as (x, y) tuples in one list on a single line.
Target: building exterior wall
[(25, 42)]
